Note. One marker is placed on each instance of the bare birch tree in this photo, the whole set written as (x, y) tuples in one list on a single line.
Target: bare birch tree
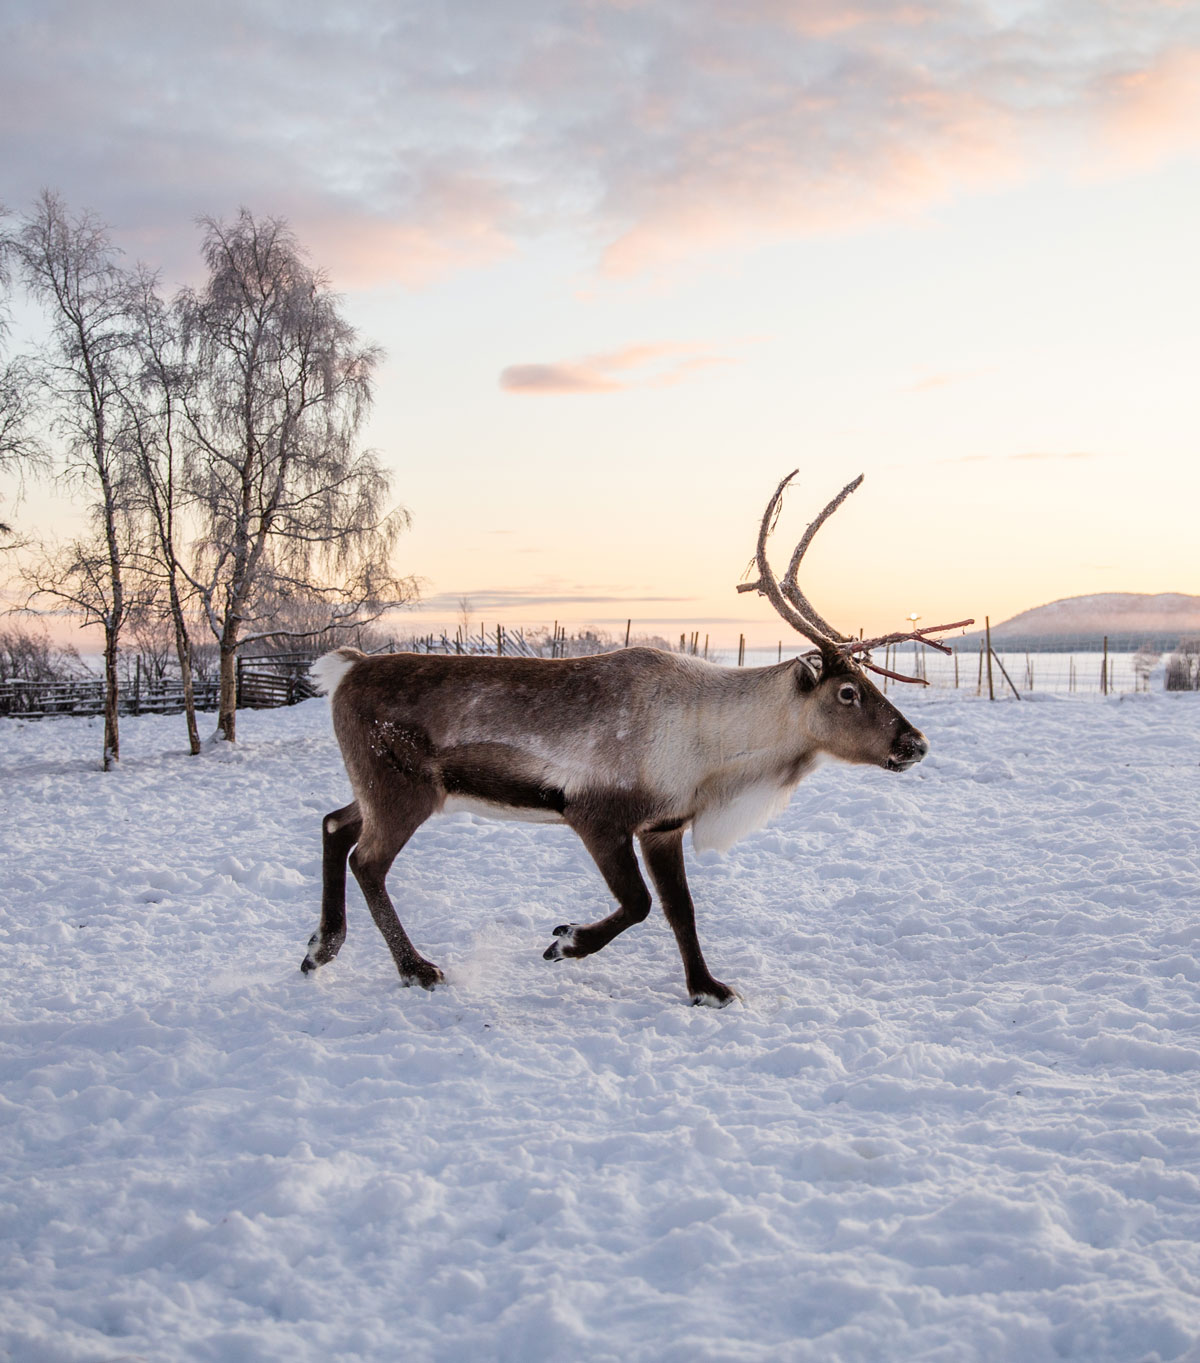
[(152, 406), (290, 504), (19, 448), (70, 266)]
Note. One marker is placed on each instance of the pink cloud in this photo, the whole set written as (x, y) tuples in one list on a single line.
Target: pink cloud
[(1154, 111), (648, 365), (402, 146)]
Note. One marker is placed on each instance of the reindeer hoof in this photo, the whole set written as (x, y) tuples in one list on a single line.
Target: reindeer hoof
[(321, 953), (713, 995), (560, 949), (427, 975)]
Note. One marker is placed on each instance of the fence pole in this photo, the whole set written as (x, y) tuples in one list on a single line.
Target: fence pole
[(1104, 670), (499, 641), (628, 627), (741, 649), (987, 625), (1007, 678), (956, 668), (979, 679), (706, 647)]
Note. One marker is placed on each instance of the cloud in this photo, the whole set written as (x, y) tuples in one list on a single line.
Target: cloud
[(403, 145), (635, 366), (493, 599), (1040, 456), (1153, 111)]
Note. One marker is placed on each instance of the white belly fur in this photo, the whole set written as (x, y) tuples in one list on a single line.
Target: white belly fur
[(457, 804)]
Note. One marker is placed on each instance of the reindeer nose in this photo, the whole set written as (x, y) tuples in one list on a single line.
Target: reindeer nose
[(908, 750)]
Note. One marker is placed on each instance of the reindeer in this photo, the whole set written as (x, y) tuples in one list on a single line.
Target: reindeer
[(630, 744)]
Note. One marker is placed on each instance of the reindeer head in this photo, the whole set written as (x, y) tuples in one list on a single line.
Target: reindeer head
[(848, 716)]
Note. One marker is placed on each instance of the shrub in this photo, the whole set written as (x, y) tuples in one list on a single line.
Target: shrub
[(1183, 667), (28, 655)]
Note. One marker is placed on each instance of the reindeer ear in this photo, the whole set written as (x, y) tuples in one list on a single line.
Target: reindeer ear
[(808, 672)]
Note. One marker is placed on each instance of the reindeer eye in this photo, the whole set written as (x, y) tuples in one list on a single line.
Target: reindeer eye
[(848, 693)]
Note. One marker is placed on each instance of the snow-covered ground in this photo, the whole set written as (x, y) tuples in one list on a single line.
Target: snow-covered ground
[(956, 1116)]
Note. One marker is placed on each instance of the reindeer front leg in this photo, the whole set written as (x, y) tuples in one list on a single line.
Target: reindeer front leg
[(664, 860), (612, 851)]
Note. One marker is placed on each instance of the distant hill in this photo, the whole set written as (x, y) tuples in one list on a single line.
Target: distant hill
[(1129, 619)]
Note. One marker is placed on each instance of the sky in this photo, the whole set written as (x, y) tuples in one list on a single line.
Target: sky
[(633, 262)]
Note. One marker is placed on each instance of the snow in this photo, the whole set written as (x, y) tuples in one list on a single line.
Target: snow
[(955, 1115)]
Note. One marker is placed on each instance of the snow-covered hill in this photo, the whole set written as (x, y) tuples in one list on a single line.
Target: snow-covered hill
[(955, 1117), (1130, 617)]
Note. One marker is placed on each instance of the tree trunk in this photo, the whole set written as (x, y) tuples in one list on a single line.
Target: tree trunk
[(227, 713), (112, 738), (183, 651)]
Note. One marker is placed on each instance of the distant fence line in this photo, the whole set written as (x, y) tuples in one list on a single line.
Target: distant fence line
[(1068, 665)]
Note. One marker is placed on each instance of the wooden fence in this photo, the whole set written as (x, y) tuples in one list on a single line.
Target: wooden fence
[(262, 683)]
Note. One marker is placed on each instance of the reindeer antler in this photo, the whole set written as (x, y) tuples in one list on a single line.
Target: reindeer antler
[(791, 603)]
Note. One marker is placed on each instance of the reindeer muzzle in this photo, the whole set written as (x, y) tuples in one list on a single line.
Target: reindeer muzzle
[(907, 750)]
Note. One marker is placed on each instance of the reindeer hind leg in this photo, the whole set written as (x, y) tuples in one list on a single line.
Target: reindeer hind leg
[(377, 847), (339, 832)]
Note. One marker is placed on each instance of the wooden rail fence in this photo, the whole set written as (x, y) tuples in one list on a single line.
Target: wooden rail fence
[(262, 683)]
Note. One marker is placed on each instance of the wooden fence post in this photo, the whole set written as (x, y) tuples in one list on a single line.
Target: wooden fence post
[(1104, 670), (987, 625), (628, 627), (1007, 678), (741, 649)]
